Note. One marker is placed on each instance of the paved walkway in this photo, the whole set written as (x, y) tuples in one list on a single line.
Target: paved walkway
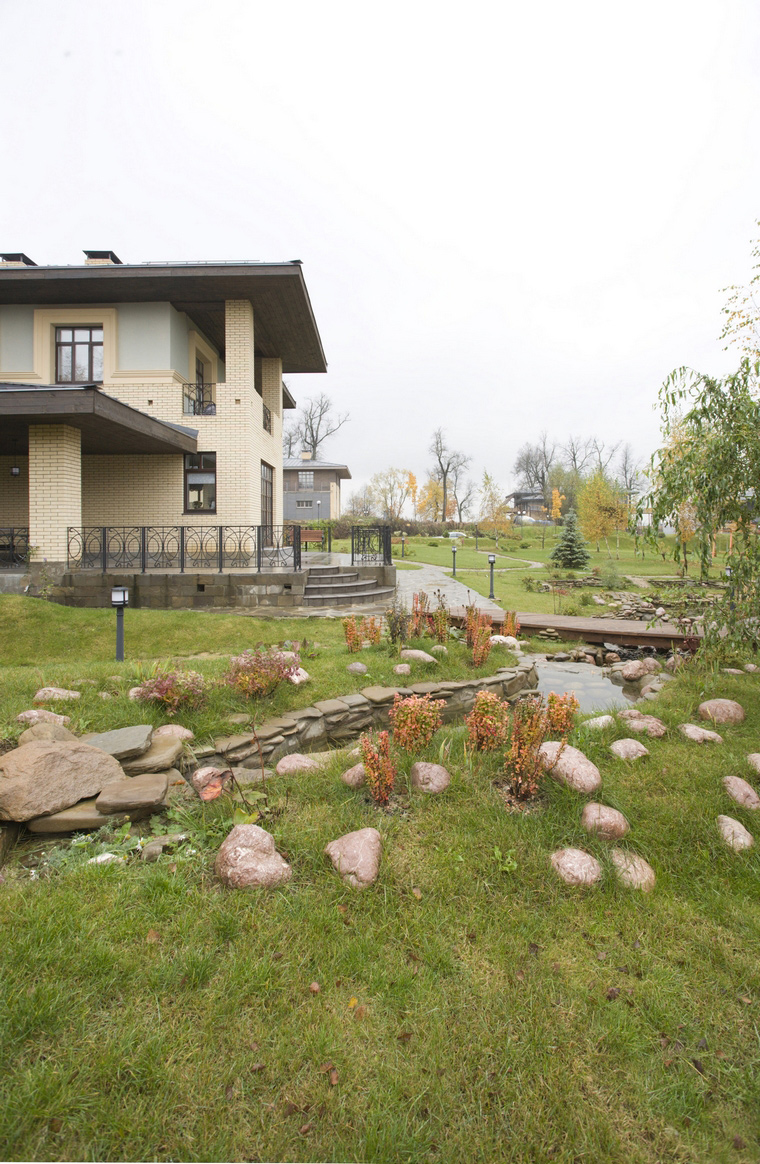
[(432, 579)]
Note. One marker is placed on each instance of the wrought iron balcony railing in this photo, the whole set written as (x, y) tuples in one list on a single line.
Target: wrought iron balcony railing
[(14, 547), (198, 400), (267, 418), (184, 547)]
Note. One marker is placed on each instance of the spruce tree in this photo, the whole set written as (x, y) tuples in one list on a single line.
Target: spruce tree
[(570, 551)]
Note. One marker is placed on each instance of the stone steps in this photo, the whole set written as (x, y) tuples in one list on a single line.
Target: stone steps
[(341, 586)]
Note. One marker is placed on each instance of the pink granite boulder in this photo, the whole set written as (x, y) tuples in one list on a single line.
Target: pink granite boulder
[(633, 871), (722, 711), (356, 856), (699, 735), (296, 762), (576, 867), (248, 859), (427, 777), (52, 694), (734, 834), (628, 749), (604, 821), (355, 777), (174, 730), (638, 722), (569, 766), (742, 792), (40, 715)]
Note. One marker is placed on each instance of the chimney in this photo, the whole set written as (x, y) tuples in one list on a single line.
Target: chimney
[(305, 456), (16, 259), (101, 259)]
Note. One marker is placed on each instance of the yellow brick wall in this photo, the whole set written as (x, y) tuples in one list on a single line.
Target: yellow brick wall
[(55, 488), (14, 492)]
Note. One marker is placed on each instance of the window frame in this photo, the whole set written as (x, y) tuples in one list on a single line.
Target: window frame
[(71, 346), (267, 494), (308, 479), (199, 468)]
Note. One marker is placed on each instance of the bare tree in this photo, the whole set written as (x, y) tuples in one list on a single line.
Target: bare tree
[(577, 454), (628, 473), (603, 453), (316, 421), (464, 493), (448, 463), (360, 504), (534, 463)]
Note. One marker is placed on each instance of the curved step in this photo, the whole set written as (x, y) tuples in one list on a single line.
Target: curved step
[(351, 597)]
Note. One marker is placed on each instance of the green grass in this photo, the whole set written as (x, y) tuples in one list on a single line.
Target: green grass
[(146, 1014)]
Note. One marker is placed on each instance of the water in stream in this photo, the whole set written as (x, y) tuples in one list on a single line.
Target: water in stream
[(593, 689)]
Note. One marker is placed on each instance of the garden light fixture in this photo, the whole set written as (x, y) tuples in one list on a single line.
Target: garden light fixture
[(491, 563), (119, 599), (454, 560)]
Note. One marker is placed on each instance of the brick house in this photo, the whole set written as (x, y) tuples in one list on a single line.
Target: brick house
[(146, 396), (311, 489)]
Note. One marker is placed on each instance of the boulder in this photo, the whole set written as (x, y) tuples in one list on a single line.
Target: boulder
[(569, 766), (177, 732), (157, 845), (79, 818), (439, 651), (754, 759), (734, 834), (41, 715), (355, 777), (599, 723), (123, 743), (299, 676), (505, 641), (133, 794), (604, 821), (576, 867), (248, 859), (414, 656), (633, 871), (699, 735), (402, 669), (356, 669), (202, 777), (427, 777), (638, 722), (628, 749), (732, 671), (742, 792), (296, 762), (48, 694), (721, 711), (356, 856), (163, 753), (46, 776), (45, 731), (651, 665), (633, 671), (750, 667)]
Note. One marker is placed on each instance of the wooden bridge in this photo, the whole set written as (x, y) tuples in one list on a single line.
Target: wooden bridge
[(623, 632)]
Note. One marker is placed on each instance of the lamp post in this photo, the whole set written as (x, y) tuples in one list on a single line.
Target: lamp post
[(454, 559), (491, 562), (403, 543), (119, 599), (476, 539)]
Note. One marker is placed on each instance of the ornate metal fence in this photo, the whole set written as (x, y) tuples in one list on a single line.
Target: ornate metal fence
[(371, 545), (184, 547), (14, 547)]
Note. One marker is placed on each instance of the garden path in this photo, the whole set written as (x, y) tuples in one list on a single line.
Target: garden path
[(433, 578)]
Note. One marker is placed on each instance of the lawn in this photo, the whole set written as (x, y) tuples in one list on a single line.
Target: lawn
[(473, 1007)]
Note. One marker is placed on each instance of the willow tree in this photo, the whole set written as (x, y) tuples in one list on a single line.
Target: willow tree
[(709, 470)]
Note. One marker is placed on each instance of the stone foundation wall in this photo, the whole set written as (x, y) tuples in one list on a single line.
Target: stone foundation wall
[(336, 721)]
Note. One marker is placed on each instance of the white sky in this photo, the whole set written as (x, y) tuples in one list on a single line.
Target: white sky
[(511, 216)]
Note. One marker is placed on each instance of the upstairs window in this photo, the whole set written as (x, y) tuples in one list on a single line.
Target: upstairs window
[(78, 355), (200, 482), (305, 480)]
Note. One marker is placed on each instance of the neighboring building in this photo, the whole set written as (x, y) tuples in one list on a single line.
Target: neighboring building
[(312, 488), (146, 395), (528, 503)]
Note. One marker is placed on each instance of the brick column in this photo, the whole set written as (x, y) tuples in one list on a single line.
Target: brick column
[(238, 478), (55, 488), (238, 342)]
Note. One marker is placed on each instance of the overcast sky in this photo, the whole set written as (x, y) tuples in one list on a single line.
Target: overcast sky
[(512, 217)]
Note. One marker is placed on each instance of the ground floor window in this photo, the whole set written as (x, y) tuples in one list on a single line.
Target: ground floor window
[(267, 494), (200, 482), (304, 505)]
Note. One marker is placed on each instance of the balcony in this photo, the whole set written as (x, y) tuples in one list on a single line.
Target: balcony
[(267, 418), (199, 400)]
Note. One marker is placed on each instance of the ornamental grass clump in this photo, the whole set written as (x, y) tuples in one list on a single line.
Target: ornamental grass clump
[(173, 689), (399, 622), (560, 713), (488, 721), (522, 763), (259, 672), (415, 720), (378, 765)]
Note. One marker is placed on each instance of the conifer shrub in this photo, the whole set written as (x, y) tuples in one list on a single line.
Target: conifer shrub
[(570, 552)]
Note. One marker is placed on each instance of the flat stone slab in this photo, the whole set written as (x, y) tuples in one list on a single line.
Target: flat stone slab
[(163, 753), (426, 777), (599, 723), (633, 871), (123, 743), (742, 792), (296, 762), (569, 766), (628, 749), (45, 776), (734, 834), (721, 711), (637, 721), (355, 777), (576, 867), (133, 794), (80, 817), (379, 694), (248, 859), (330, 706), (356, 856), (699, 735), (233, 743), (604, 821), (411, 655)]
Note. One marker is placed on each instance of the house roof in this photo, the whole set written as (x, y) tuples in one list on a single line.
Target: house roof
[(295, 463), (107, 425), (284, 323)]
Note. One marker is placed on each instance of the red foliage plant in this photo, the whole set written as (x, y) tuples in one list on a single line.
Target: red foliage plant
[(488, 721), (353, 634), (522, 763), (174, 689), (560, 713), (511, 623), (257, 673), (359, 630), (415, 720), (420, 614), (380, 769), (481, 647)]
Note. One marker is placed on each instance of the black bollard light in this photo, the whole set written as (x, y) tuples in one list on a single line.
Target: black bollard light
[(119, 599), (491, 563), (476, 539), (402, 545), (454, 560)]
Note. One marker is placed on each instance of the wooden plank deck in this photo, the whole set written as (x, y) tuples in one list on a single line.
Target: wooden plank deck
[(624, 632)]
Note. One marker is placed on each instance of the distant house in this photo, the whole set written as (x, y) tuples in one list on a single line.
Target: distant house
[(527, 503), (311, 489)]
